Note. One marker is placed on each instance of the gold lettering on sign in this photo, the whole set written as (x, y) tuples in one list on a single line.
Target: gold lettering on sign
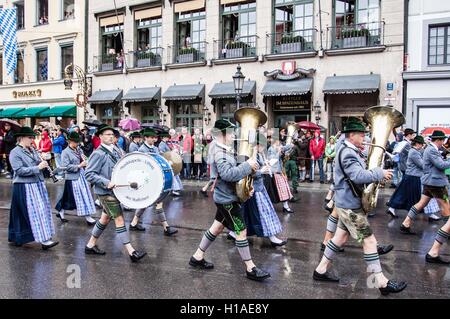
[(27, 94)]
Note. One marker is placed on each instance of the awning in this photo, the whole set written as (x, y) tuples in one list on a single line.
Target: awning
[(9, 112), (148, 13), (185, 92), (113, 20), (286, 88), (226, 90), (31, 112), (105, 97), (62, 111), (191, 5), (142, 94), (352, 84)]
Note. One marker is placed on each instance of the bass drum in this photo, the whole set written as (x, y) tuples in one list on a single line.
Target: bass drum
[(152, 175)]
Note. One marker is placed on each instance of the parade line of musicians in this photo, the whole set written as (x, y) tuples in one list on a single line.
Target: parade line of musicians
[(423, 187)]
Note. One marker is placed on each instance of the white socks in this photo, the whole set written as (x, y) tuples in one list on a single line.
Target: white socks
[(275, 239), (286, 205), (48, 242), (61, 213), (232, 234)]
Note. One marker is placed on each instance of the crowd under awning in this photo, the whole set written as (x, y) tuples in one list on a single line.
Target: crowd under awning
[(352, 84), (61, 111), (142, 94), (184, 92), (287, 88), (226, 90), (105, 97)]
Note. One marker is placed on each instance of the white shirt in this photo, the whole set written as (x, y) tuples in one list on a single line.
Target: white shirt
[(437, 148), (109, 147)]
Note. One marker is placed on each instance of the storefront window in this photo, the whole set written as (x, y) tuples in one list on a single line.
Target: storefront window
[(188, 114), (150, 113), (111, 115), (42, 65), (42, 12), (68, 9), (66, 58)]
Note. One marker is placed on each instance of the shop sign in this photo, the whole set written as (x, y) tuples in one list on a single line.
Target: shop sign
[(292, 103), (27, 94)]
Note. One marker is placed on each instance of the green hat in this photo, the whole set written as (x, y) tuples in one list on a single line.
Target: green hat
[(438, 135), (135, 134), (223, 125), (149, 132), (74, 137), (164, 134), (418, 139), (25, 131), (103, 128), (354, 126)]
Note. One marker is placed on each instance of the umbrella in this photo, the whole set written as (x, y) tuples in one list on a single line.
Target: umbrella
[(95, 123), (130, 124), (308, 125), (14, 125), (430, 130)]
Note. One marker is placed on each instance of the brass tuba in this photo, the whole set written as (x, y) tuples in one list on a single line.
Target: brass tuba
[(382, 119), (249, 119)]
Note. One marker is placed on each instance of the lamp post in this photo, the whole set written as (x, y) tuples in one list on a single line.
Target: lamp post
[(317, 112), (238, 80), (84, 85)]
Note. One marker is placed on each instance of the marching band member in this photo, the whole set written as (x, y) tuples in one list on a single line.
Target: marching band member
[(350, 174), (435, 185), (163, 147), (151, 137), (30, 216), (229, 212), (77, 192), (98, 173), (135, 142)]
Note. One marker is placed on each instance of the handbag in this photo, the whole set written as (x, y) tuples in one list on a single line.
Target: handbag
[(46, 156)]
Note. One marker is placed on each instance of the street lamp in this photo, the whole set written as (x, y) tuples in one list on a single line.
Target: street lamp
[(317, 112), (238, 80), (84, 85)]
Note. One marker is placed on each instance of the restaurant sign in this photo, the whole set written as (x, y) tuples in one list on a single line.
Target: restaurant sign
[(292, 103), (27, 94)]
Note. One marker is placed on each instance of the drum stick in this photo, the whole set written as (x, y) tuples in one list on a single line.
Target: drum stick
[(133, 185)]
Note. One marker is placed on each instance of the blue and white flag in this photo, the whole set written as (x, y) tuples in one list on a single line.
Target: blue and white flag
[(8, 27)]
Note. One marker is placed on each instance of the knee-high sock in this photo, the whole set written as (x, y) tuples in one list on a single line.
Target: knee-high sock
[(98, 229), (332, 224), (373, 263), (413, 212), (139, 212), (330, 250), (122, 233), (243, 249), (206, 241), (160, 215), (441, 236), (445, 219)]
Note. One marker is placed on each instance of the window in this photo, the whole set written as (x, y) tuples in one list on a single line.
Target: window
[(110, 115), (149, 33), (191, 35), (20, 70), (42, 12), (188, 114), (20, 9), (68, 9), (1, 68), (66, 58), (439, 45), (112, 57), (42, 65), (150, 113)]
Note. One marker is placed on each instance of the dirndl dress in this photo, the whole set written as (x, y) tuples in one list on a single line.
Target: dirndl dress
[(283, 190), (407, 193), (30, 217), (271, 187), (77, 196)]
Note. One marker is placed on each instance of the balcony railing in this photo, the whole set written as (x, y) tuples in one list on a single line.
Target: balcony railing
[(147, 58), (109, 62), (243, 47), (291, 42), (195, 52), (356, 36)]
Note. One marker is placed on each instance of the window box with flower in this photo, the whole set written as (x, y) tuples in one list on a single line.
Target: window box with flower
[(353, 38), (187, 55)]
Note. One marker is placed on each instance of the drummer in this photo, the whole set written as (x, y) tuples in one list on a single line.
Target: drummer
[(150, 138), (135, 142), (98, 173), (163, 148)]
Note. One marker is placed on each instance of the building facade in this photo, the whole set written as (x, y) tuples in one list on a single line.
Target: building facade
[(173, 61), (50, 36), (427, 73)]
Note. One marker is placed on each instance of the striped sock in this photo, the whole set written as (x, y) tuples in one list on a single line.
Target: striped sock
[(331, 250), (373, 263), (207, 240), (413, 213), (441, 236), (98, 229), (243, 249), (122, 233), (332, 224), (160, 215), (445, 219)]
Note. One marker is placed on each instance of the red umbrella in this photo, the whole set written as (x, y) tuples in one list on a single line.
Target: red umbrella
[(306, 125), (430, 130), (14, 125)]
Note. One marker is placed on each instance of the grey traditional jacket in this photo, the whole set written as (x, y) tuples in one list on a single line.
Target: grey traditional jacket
[(133, 147), (70, 159), (273, 153), (414, 164), (25, 165), (402, 164), (99, 169), (354, 166), (434, 167), (163, 147), (146, 149), (228, 174)]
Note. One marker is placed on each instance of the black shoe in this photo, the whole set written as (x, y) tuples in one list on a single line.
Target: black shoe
[(202, 264), (293, 200), (406, 230), (229, 237), (176, 194), (322, 248), (257, 274), (136, 256), (392, 214), (93, 251), (169, 231), (431, 219), (436, 260), (204, 193), (393, 287), (136, 228), (295, 191), (91, 223), (284, 242), (310, 181), (288, 211), (371, 215), (324, 277), (53, 244), (63, 220), (322, 182), (384, 249)]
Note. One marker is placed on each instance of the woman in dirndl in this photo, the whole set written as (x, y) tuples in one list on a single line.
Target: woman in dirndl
[(277, 183), (77, 191), (31, 213), (260, 216)]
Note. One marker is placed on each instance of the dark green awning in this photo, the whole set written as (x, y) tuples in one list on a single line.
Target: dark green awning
[(352, 84), (31, 112), (63, 111), (226, 90), (9, 112)]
